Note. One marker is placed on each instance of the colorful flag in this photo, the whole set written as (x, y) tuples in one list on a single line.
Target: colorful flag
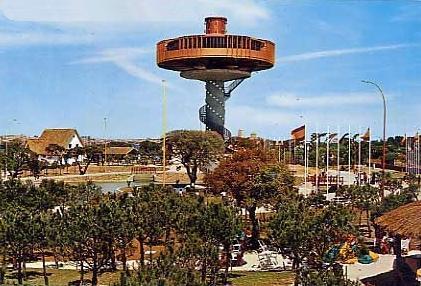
[(345, 136), (332, 137), (299, 133), (403, 141), (366, 135)]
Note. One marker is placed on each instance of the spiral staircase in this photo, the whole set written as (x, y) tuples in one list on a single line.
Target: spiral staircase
[(212, 114)]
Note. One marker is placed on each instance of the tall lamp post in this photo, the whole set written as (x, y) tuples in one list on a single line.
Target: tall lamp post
[(164, 131), (384, 133)]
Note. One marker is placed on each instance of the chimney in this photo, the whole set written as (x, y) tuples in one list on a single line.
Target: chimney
[(216, 25)]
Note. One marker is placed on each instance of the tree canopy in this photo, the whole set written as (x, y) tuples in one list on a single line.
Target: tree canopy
[(196, 150)]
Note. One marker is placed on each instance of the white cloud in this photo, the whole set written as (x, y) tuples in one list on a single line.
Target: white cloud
[(248, 11), (33, 38), (114, 55), (124, 58), (341, 52), (331, 100)]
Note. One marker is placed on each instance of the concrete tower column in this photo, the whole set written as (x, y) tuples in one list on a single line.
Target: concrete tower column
[(215, 106)]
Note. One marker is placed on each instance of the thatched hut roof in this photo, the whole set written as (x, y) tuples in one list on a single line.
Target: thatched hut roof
[(404, 221)]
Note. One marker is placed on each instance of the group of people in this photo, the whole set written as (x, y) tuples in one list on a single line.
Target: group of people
[(387, 245)]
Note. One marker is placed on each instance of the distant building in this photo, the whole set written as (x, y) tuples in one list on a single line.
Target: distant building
[(66, 138), (240, 133), (120, 153)]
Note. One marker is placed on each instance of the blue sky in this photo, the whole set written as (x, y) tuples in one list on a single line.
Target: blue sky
[(70, 63)]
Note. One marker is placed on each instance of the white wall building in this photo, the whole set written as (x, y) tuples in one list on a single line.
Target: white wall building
[(65, 138)]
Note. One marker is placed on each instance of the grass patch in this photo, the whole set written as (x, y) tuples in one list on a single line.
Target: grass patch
[(61, 277), (262, 278)]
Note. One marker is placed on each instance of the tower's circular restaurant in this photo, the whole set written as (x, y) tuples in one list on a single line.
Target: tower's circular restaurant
[(233, 55)]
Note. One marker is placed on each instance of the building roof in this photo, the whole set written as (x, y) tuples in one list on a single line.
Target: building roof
[(37, 146), (403, 221), (119, 150), (59, 136)]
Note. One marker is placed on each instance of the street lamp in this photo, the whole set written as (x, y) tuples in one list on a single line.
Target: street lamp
[(384, 133), (164, 131)]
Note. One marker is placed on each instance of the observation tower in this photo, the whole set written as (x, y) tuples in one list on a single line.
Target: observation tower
[(222, 61)]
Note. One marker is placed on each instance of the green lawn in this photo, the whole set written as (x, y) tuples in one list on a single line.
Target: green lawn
[(62, 277), (262, 278)]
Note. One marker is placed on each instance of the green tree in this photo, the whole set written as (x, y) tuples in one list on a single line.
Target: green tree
[(219, 225), (196, 150), (363, 199), (298, 225), (84, 156), (86, 233), (15, 158), (150, 151), (19, 226), (57, 151), (3, 249)]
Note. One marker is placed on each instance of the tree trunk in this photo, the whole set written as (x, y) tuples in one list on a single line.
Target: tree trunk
[(142, 251), (204, 267), (44, 269), (25, 277), (227, 262), (193, 180), (368, 222), (124, 260), (150, 252), (255, 227), (192, 175), (112, 255), (95, 275), (81, 272), (3, 265), (55, 258), (20, 278)]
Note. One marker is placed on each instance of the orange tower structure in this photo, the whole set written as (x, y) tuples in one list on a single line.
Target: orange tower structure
[(222, 61)]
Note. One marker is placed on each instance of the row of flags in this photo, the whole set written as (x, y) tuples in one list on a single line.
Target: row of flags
[(412, 145), (299, 134)]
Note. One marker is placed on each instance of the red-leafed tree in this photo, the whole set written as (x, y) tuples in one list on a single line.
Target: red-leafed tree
[(253, 179)]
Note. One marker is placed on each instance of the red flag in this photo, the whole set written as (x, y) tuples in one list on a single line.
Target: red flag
[(299, 133)]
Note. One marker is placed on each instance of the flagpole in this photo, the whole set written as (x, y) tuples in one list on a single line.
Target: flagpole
[(359, 157), (418, 165), (327, 161), (369, 155), (349, 155), (406, 155), (409, 155), (317, 158), (305, 158), (418, 155), (338, 154)]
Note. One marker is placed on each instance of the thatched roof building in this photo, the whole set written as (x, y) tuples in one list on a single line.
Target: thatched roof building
[(66, 138), (404, 221)]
